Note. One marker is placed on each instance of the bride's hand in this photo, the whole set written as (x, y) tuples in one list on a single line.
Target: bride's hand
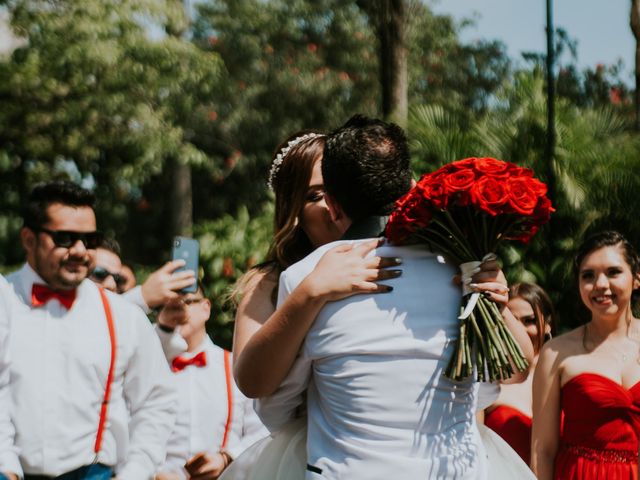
[(346, 270), (491, 281)]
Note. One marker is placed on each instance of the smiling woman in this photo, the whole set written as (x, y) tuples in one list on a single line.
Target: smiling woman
[(585, 372)]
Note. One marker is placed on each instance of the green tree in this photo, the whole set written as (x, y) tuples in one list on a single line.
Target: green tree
[(95, 97), (288, 65)]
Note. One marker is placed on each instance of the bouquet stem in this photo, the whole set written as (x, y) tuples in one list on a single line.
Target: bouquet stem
[(495, 354)]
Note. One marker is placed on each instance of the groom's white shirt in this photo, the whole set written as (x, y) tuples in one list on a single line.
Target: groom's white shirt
[(379, 406)]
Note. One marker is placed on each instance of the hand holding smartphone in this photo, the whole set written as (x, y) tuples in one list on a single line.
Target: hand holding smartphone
[(187, 249)]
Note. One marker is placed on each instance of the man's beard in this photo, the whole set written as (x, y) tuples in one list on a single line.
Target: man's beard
[(57, 278)]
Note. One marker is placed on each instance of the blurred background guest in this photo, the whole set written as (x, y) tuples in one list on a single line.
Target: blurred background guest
[(215, 422), (108, 268), (510, 415)]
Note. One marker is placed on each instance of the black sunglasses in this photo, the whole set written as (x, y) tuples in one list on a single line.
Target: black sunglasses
[(66, 239), (100, 274)]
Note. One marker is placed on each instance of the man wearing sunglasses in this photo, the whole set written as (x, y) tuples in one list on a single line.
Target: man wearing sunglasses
[(89, 381), (160, 286), (107, 271)]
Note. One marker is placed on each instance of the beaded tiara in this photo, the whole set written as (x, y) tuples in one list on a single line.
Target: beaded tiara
[(277, 162)]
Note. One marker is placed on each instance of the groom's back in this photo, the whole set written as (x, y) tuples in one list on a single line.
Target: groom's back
[(379, 404)]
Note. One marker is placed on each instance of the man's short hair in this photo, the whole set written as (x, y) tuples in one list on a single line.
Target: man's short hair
[(111, 244), (34, 214), (366, 166)]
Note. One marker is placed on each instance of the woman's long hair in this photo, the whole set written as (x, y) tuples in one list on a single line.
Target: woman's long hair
[(542, 306), (290, 185)]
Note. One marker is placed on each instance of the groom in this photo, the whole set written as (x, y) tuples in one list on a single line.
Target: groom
[(379, 405)]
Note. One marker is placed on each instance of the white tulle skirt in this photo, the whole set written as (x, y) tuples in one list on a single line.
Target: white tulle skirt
[(280, 456), (283, 456)]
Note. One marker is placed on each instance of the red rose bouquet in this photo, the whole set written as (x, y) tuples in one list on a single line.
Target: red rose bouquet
[(464, 210)]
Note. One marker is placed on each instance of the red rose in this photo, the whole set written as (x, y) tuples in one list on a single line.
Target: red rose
[(459, 180), (436, 192), (543, 210), (398, 228), (463, 164), (412, 213), (525, 234), (522, 197), (538, 187), (516, 171), (491, 166), (416, 209), (490, 194)]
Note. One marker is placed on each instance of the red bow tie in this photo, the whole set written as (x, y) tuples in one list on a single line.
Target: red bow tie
[(179, 363), (41, 294)]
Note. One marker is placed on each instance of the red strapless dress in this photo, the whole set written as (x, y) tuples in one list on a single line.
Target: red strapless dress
[(600, 431), (513, 426)]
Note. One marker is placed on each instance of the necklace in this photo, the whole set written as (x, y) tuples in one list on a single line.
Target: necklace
[(624, 355)]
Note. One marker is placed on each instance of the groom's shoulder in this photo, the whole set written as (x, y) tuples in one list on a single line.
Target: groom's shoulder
[(304, 267)]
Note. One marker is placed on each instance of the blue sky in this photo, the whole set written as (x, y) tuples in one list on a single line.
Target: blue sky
[(600, 26)]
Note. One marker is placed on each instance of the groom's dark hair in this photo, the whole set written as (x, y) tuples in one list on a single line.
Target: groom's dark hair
[(365, 166)]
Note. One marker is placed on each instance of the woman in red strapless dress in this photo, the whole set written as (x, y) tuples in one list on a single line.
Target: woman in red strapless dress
[(510, 415), (592, 374)]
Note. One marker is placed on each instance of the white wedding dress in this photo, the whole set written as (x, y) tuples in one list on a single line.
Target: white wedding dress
[(282, 455)]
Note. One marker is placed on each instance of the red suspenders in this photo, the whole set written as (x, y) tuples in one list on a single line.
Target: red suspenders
[(229, 380), (107, 388)]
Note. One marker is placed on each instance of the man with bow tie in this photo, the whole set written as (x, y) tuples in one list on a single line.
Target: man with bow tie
[(90, 385), (215, 422)]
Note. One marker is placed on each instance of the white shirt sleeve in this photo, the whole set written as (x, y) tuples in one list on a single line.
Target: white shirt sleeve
[(9, 461), (173, 344), (134, 296), (276, 410), (151, 397)]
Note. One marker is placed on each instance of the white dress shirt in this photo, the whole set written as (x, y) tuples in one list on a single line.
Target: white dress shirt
[(379, 405), (9, 461), (60, 363), (203, 411), (134, 295)]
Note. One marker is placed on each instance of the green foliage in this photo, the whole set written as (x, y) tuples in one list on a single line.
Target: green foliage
[(288, 65), (230, 246), (93, 97), (445, 71)]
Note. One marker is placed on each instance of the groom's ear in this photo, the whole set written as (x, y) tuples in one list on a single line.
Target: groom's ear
[(335, 210)]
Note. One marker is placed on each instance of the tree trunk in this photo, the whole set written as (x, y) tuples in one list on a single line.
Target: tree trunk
[(635, 28), (389, 20), (181, 196), (180, 172)]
